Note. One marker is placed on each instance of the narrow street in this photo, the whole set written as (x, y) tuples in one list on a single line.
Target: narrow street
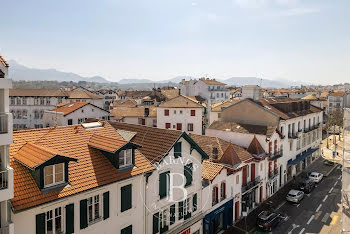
[(318, 212)]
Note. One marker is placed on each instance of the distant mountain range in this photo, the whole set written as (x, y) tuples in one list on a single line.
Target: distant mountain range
[(20, 72)]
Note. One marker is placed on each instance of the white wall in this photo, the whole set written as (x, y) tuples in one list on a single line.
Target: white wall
[(24, 221)]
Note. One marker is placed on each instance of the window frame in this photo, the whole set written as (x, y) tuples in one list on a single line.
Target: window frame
[(54, 175), (53, 219), (125, 158), (93, 203)]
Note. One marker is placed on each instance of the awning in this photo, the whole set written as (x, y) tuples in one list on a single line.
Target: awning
[(301, 156)]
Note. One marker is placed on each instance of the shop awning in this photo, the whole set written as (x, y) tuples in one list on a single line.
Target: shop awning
[(301, 156)]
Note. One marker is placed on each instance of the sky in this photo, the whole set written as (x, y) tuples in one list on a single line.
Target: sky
[(297, 40)]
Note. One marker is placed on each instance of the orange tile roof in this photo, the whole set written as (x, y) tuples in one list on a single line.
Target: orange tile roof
[(70, 107), (255, 147), (337, 93), (33, 155), (106, 143), (180, 102), (3, 62), (211, 81), (210, 170), (91, 170)]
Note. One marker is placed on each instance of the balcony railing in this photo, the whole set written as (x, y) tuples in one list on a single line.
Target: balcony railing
[(276, 155), (215, 202), (307, 130), (3, 123), (3, 179), (251, 184), (273, 173), (292, 135)]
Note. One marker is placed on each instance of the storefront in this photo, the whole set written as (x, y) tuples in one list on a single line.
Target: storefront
[(219, 219), (302, 160)]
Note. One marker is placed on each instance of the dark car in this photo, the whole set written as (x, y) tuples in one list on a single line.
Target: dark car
[(307, 186), (267, 220)]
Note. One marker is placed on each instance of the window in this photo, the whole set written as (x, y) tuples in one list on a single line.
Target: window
[(127, 230), (80, 120), (82, 111), (41, 114), (59, 100), (193, 112), (237, 179), (179, 126), (36, 101), (187, 208), (70, 122), (164, 182), (163, 216), (94, 208), (194, 202), (48, 101), (18, 101), (24, 101), (13, 101), (54, 174), (190, 127), (125, 158), (188, 174), (177, 149), (166, 112), (126, 197), (180, 112), (42, 101), (223, 191), (215, 195), (174, 112), (167, 125), (54, 221), (261, 167)]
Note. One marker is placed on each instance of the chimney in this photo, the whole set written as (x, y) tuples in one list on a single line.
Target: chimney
[(252, 92)]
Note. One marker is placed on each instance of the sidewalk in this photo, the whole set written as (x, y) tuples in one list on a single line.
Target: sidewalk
[(277, 200)]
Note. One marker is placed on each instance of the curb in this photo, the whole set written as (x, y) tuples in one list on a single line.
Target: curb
[(336, 165)]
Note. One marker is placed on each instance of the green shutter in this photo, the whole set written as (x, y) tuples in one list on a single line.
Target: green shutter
[(177, 149), (188, 174), (40, 223), (70, 218), (126, 197), (164, 181), (155, 223), (127, 230), (181, 209), (172, 214), (83, 214), (106, 205), (194, 202)]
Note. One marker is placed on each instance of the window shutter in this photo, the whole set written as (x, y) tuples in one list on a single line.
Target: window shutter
[(164, 180), (83, 214), (155, 223), (172, 214), (106, 205), (194, 202), (181, 209), (40, 223), (127, 230), (126, 196), (188, 174), (177, 150), (70, 218)]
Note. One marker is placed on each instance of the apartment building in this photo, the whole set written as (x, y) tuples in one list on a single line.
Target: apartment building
[(214, 112), (181, 113), (73, 113), (210, 89), (28, 105), (108, 96), (6, 173), (296, 123), (85, 178), (174, 189)]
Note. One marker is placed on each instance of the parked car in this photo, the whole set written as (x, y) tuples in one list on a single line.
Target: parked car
[(328, 162), (295, 196), (268, 220), (316, 177), (307, 185)]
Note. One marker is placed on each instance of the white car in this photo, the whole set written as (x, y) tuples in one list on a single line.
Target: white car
[(316, 177), (295, 196)]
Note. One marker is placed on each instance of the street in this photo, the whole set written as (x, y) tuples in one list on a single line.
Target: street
[(318, 212)]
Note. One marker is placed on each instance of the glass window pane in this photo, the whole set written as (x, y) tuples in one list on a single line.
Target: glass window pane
[(48, 179), (48, 170), (121, 158), (90, 213)]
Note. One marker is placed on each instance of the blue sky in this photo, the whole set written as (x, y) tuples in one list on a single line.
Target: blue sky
[(303, 40)]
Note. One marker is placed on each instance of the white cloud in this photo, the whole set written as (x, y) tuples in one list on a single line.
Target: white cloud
[(250, 3), (212, 17), (194, 4)]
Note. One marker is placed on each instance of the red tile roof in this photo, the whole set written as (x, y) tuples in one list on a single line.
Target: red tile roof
[(255, 147), (210, 170), (91, 170), (68, 108), (3, 62), (110, 144)]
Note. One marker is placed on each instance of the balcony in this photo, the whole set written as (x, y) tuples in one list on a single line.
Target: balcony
[(276, 155), (292, 135), (6, 184), (251, 184), (273, 174), (306, 130), (5, 128)]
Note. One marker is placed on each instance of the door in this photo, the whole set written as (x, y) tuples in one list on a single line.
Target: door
[(236, 210), (252, 171), (261, 194), (244, 182), (143, 122)]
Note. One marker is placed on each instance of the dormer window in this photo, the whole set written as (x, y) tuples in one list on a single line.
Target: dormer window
[(54, 174), (125, 158)]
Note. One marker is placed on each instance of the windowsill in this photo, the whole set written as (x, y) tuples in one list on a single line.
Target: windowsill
[(95, 221), (126, 168), (53, 188)]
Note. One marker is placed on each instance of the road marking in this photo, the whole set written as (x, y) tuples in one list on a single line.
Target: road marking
[(319, 207), (294, 226), (334, 220), (325, 217), (325, 198), (339, 177), (331, 190), (302, 230), (298, 205), (311, 218), (336, 182)]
